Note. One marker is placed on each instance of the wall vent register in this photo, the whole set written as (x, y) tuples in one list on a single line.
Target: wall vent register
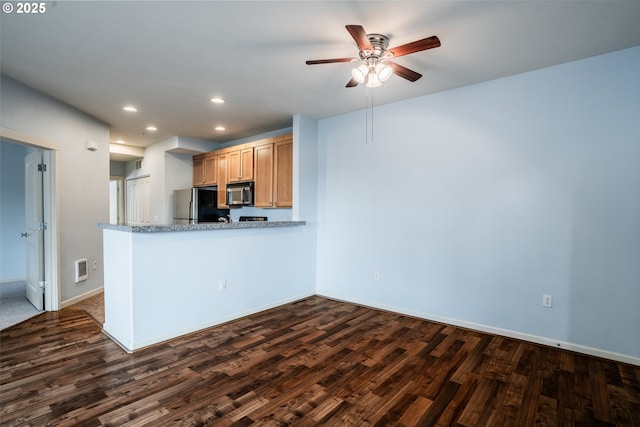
[(81, 270)]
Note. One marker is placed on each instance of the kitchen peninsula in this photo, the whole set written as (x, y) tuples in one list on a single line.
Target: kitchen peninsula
[(163, 281), (161, 228)]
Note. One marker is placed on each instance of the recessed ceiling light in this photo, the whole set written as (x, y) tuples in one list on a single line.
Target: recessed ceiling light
[(220, 128), (151, 128), (130, 108), (218, 100)]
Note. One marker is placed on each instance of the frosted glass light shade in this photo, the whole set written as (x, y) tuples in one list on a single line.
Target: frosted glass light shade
[(373, 80), (360, 73), (383, 71)]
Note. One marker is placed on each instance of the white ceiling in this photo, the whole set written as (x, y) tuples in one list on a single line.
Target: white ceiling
[(170, 57)]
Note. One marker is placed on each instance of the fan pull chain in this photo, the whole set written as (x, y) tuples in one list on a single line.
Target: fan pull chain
[(371, 114), (366, 115), (368, 111)]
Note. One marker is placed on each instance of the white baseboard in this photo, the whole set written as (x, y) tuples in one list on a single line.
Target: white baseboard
[(13, 279), (499, 331), (79, 298), (217, 322), (124, 347)]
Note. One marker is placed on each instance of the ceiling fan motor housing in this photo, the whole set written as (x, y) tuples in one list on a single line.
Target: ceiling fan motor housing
[(380, 43)]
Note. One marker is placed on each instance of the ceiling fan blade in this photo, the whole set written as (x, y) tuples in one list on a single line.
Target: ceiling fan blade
[(404, 72), (330, 61), (417, 46), (360, 36), (352, 83)]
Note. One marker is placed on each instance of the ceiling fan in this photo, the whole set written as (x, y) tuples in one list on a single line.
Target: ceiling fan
[(376, 65)]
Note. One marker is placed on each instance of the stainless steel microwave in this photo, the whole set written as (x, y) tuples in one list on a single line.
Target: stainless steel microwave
[(240, 194)]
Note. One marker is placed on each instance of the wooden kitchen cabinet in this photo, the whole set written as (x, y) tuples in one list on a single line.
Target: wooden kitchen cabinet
[(273, 172), (222, 164), (211, 169), (283, 174), (240, 165), (204, 170), (263, 173), (198, 170), (268, 162)]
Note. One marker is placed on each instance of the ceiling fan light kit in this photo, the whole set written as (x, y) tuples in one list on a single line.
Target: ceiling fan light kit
[(375, 57), (372, 75)]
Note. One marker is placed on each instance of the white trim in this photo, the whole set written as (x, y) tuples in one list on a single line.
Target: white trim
[(121, 345), (79, 298), (24, 139), (13, 279), (52, 234), (499, 331)]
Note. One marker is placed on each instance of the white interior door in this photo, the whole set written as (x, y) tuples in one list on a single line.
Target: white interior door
[(113, 202), (137, 205), (34, 221)]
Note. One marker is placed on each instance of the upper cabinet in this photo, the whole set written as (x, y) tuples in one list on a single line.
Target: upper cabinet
[(240, 167), (268, 162), (222, 168), (205, 170), (211, 169), (263, 186), (283, 174), (198, 170), (274, 174)]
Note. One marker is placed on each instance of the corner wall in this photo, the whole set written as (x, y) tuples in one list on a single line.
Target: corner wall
[(169, 164), (473, 203), (82, 177)]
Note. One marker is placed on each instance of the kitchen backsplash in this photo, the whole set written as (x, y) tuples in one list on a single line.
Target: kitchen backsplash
[(284, 214)]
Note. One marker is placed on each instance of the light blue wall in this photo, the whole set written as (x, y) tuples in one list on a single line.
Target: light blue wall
[(12, 247), (473, 203)]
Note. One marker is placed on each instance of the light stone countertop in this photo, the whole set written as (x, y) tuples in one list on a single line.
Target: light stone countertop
[(164, 228)]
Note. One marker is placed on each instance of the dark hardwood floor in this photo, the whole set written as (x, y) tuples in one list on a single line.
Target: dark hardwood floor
[(314, 362)]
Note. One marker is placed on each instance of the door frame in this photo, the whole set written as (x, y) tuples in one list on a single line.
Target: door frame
[(120, 197), (50, 205)]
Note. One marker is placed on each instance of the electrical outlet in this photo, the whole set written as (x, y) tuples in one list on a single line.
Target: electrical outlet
[(222, 285), (376, 275), (547, 300), (95, 265)]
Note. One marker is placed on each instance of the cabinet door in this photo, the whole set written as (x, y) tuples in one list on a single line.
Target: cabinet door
[(233, 166), (283, 174), (211, 170), (246, 164), (198, 171), (263, 175), (222, 180), (240, 165)]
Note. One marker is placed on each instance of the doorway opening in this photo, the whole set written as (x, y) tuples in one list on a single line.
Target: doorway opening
[(36, 246)]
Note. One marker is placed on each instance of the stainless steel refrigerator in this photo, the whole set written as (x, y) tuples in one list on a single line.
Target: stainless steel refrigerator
[(197, 205)]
